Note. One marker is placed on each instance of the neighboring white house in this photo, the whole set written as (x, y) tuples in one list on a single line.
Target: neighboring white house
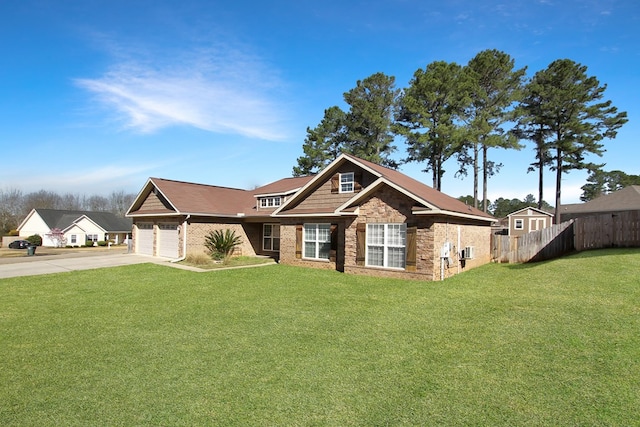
[(78, 227)]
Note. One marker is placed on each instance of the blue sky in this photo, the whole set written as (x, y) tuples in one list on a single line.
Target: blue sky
[(97, 96)]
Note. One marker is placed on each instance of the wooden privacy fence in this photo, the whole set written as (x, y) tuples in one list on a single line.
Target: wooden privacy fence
[(538, 245), (621, 229)]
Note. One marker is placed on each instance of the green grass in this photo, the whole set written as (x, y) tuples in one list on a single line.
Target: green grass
[(554, 343)]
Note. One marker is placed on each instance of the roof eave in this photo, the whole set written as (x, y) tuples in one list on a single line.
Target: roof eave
[(309, 215), (455, 214)]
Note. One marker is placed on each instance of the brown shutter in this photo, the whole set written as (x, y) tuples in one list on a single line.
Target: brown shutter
[(299, 241), (334, 243), (361, 231), (335, 183), (412, 252), (357, 182)]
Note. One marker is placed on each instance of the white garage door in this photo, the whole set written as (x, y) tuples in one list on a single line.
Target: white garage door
[(144, 239), (168, 240)]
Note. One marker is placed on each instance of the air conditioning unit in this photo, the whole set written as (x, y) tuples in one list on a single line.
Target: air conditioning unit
[(468, 252)]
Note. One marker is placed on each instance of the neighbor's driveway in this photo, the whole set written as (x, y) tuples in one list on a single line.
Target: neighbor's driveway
[(62, 261)]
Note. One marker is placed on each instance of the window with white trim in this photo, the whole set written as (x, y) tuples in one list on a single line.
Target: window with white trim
[(386, 245), (317, 241), (270, 202), (92, 237), (347, 182), (271, 237), (519, 224), (73, 238)]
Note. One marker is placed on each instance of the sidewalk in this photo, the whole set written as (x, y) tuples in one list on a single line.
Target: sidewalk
[(47, 264)]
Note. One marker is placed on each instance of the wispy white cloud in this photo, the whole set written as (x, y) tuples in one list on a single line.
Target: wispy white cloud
[(217, 90), (90, 181)]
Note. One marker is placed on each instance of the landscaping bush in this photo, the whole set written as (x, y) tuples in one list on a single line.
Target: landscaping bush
[(102, 243), (198, 259), (13, 233), (35, 240)]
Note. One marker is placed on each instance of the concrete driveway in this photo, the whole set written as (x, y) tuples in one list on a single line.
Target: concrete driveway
[(69, 261)]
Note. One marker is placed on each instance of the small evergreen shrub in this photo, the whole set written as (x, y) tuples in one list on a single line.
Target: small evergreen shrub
[(36, 240)]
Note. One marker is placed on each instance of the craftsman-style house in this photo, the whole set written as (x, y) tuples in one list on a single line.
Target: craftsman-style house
[(354, 216)]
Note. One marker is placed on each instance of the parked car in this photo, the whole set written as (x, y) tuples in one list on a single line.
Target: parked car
[(20, 244)]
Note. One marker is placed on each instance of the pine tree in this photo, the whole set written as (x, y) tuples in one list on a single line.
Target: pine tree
[(323, 144), (428, 111), (573, 118)]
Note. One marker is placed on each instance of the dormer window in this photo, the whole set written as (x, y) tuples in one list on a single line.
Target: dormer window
[(347, 182), (270, 202)]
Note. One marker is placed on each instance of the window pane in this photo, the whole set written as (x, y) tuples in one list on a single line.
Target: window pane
[(276, 244), (375, 255), (396, 234), (267, 230), (309, 249), (324, 250), (324, 233), (276, 230), (375, 234), (395, 257), (266, 244), (310, 232)]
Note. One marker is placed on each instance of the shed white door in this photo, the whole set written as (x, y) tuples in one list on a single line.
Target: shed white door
[(144, 239), (536, 224), (168, 240)]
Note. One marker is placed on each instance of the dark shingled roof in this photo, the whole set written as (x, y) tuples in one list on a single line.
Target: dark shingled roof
[(626, 199), (200, 199), (62, 219), (437, 198), (213, 200)]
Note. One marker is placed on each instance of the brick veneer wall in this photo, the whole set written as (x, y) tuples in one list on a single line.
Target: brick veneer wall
[(288, 243), (198, 230), (391, 206), (477, 235)]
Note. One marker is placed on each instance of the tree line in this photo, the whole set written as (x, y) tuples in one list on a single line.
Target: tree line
[(450, 111), (15, 205)]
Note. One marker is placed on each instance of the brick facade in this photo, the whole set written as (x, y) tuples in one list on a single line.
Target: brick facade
[(391, 206), (198, 229)]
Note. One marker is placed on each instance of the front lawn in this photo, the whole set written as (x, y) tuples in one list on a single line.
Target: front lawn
[(554, 343)]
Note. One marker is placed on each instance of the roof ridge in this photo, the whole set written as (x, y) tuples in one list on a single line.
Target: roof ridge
[(198, 183)]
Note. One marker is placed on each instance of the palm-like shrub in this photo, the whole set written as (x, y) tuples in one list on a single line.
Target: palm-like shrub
[(221, 244)]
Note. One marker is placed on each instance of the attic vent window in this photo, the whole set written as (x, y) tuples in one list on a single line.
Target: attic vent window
[(347, 182)]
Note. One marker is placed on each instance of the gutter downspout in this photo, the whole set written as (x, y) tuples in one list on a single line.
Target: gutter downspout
[(184, 240)]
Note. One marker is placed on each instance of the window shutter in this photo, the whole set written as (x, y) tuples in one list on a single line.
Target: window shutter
[(335, 183), (412, 249), (357, 182), (334, 243), (361, 231), (299, 241)]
